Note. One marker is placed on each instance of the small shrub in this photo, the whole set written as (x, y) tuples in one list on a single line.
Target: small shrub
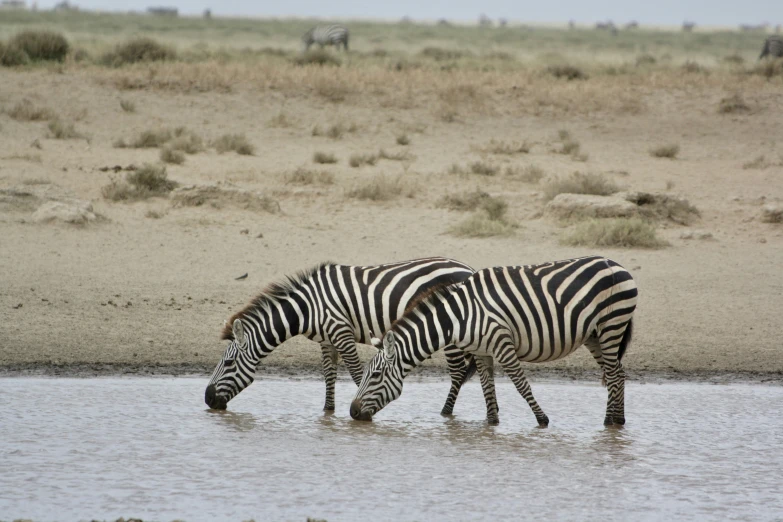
[(570, 147), (146, 182), (187, 141), (380, 188), (402, 139), (480, 225), (234, 142), (495, 208), (148, 139), (324, 157), (733, 104), (618, 232), (40, 45), (357, 160), (463, 201), (12, 56), (169, 155), (527, 174), (63, 131), (484, 169), (693, 67), (456, 169), (280, 121), (733, 59), (128, 106), (665, 151), (569, 72), (394, 156), (153, 214), (317, 57), (335, 131), (505, 147), (760, 162), (26, 111), (579, 183), (304, 176), (645, 60), (136, 50)]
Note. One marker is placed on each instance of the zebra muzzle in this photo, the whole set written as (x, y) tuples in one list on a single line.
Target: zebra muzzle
[(213, 400), (356, 412)]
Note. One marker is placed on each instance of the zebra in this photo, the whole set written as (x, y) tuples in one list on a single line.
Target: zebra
[(326, 35), (514, 314), (337, 306), (773, 47)]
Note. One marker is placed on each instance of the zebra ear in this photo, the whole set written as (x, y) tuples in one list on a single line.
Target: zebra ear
[(239, 331), (389, 340)]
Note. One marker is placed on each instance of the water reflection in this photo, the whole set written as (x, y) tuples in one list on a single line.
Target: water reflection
[(234, 420)]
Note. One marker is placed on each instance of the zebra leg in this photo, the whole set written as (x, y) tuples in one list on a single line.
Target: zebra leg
[(615, 406), (594, 346), (458, 369), (329, 362), (506, 355), (347, 350), (486, 372), (614, 340)]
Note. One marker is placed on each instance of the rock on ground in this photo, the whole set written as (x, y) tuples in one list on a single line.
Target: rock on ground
[(590, 206), (772, 213)]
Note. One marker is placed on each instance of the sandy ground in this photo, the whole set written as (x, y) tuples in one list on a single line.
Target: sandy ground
[(133, 293)]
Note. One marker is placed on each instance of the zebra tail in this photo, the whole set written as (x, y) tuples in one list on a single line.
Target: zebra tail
[(470, 371)]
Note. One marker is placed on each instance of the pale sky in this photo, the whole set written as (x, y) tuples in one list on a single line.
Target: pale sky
[(654, 12)]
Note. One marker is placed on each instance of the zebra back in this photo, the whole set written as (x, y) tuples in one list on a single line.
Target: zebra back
[(322, 35)]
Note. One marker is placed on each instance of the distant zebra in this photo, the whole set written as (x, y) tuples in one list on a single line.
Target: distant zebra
[(514, 314), (773, 47), (322, 35), (687, 27), (337, 306)]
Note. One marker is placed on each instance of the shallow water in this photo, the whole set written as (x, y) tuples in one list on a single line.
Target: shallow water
[(148, 447)]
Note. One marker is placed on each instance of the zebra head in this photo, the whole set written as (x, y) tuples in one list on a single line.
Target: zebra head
[(234, 372), (382, 379)]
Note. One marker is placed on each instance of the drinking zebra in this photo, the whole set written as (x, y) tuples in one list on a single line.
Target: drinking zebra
[(514, 314), (326, 35), (773, 47), (337, 306)]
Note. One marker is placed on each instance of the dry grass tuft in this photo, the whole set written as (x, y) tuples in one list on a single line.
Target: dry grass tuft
[(12, 56), (505, 147), (645, 60), (569, 72), (484, 168), (63, 131), (305, 176), (319, 57), (402, 139), (380, 188), (169, 155), (694, 67), (760, 162), (280, 121), (335, 131), (665, 151), (527, 174), (138, 50), (146, 182), (618, 232), (357, 160), (25, 110), (480, 225), (335, 90), (234, 142), (464, 201), (38, 46), (733, 59), (324, 157), (733, 104), (768, 68), (187, 141), (579, 183), (394, 156), (148, 139), (128, 106)]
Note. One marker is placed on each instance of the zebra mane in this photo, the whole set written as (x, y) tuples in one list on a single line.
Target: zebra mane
[(426, 297), (270, 294)]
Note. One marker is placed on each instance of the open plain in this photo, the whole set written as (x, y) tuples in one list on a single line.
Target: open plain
[(389, 152)]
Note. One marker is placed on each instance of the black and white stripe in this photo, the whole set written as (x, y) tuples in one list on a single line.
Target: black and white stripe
[(322, 35), (514, 314), (773, 47), (337, 306)]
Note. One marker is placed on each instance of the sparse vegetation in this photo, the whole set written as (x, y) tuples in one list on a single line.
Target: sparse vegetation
[(37, 46), (280, 120), (569, 72), (324, 157), (733, 59), (768, 68), (464, 201), (357, 160), (60, 130), (665, 151), (402, 139), (304, 176), (505, 147), (186, 141), (380, 188), (394, 156), (128, 106), (617, 232), (579, 183), (136, 50), (234, 142), (317, 57), (335, 131), (645, 60), (527, 174), (148, 139), (759, 162), (483, 168), (145, 182), (169, 155), (733, 104), (25, 110)]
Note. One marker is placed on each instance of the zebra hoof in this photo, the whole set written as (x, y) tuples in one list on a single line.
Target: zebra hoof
[(543, 421), (447, 411), (493, 421), (614, 420), (329, 408)]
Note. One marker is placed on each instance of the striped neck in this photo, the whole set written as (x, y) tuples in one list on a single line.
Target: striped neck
[(277, 320)]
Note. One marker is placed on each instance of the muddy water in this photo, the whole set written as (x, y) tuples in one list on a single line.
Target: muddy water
[(108, 447)]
